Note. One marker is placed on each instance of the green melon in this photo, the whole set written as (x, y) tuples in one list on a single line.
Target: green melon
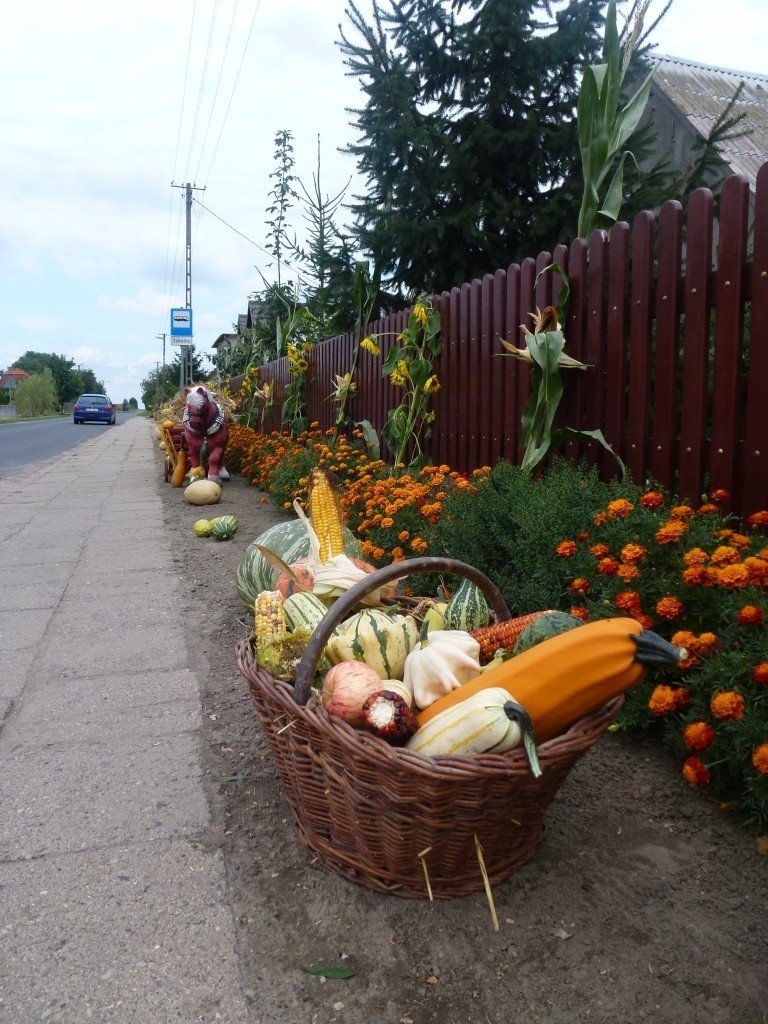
[(290, 542), (547, 625)]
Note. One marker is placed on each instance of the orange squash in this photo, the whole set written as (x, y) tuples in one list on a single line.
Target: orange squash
[(180, 469), (570, 675)]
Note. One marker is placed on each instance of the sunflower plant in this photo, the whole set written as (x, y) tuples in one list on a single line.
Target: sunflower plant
[(410, 367), (690, 574)]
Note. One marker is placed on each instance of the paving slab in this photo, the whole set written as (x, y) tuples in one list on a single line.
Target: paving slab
[(134, 932), (113, 902)]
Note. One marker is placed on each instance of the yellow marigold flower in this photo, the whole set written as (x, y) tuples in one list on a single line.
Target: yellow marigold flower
[(370, 345), (760, 759), (727, 705)]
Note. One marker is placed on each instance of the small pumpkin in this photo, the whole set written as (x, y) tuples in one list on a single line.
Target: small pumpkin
[(302, 569)]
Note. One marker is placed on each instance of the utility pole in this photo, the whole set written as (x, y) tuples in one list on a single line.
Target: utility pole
[(185, 374), (159, 336)]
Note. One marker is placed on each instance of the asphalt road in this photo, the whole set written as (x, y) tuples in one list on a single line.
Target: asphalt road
[(23, 445)]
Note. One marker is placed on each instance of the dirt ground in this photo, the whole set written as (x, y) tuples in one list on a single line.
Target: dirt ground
[(645, 902)]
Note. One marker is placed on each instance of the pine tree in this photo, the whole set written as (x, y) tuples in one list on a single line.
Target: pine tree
[(468, 139)]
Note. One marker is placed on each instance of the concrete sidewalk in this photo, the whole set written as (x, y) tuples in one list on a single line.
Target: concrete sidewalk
[(111, 909)]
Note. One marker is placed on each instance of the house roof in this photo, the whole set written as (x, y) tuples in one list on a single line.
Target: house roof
[(224, 339), (701, 94), (15, 374)]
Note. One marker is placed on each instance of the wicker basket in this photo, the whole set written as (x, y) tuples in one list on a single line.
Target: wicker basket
[(395, 821)]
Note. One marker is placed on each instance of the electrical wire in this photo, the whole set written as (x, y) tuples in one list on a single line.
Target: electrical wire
[(216, 90), (234, 88)]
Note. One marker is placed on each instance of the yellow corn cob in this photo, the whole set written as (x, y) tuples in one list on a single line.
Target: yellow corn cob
[(325, 513), (502, 634), (268, 615)]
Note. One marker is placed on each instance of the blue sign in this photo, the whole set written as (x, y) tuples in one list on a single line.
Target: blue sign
[(181, 323)]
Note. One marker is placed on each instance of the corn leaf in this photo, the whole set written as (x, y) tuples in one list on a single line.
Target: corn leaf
[(331, 972)]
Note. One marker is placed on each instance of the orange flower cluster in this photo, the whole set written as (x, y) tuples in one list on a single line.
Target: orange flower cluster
[(698, 736), (666, 699)]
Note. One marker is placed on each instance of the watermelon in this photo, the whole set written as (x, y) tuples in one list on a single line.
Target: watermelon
[(290, 542), (545, 626)]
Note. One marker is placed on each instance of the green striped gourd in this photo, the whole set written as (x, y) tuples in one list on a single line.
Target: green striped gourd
[(467, 609), (380, 640), (303, 611), (290, 542), (225, 527)]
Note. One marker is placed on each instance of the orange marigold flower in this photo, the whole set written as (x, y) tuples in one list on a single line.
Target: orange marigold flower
[(695, 772), (627, 573), (579, 586), (652, 499), (403, 536), (645, 620), (619, 508), (699, 576), (760, 673), (696, 556), (760, 758), (725, 555), (751, 615), (397, 554), (733, 577), (681, 511), (387, 522), (720, 496), (565, 548), (705, 644), (663, 700), (683, 638), (632, 553), (669, 608), (598, 550), (627, 600), (607, 566), (671, 531), (707, 509), (740, 540), (698, 736), (727, 706), (600, 518), (579, 613), (758, 519), (757, 570)]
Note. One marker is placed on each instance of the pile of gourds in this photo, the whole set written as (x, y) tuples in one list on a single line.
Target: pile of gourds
[(447, 681)]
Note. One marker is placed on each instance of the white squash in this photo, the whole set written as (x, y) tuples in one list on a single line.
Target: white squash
[(478, 725), (443, 661), (202, 492)]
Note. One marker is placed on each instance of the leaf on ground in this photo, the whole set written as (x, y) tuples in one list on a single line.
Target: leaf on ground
[(231, 778), (331, 972)]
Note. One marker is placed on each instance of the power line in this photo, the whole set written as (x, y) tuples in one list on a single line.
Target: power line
[(247, 239)]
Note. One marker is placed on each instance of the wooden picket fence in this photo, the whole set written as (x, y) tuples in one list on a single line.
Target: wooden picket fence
[(671, 314)]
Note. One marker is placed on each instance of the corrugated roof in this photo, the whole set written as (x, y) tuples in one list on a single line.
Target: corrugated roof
[(702, 93)]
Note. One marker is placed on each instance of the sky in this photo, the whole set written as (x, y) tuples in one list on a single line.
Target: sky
[(105, 107)]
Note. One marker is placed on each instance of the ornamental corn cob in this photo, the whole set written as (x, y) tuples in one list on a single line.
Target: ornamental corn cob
[(501, 634), (325, 513), (268, 615)]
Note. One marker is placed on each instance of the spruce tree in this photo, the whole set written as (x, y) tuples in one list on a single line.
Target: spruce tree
[(467, 140)]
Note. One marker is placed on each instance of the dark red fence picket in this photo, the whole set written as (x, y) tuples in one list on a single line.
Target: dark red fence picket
[(672, 317)]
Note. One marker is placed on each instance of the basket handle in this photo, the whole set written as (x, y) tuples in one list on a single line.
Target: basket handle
[(345, 604)]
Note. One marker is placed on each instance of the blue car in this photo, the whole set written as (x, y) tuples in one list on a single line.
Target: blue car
[(98, 408)]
